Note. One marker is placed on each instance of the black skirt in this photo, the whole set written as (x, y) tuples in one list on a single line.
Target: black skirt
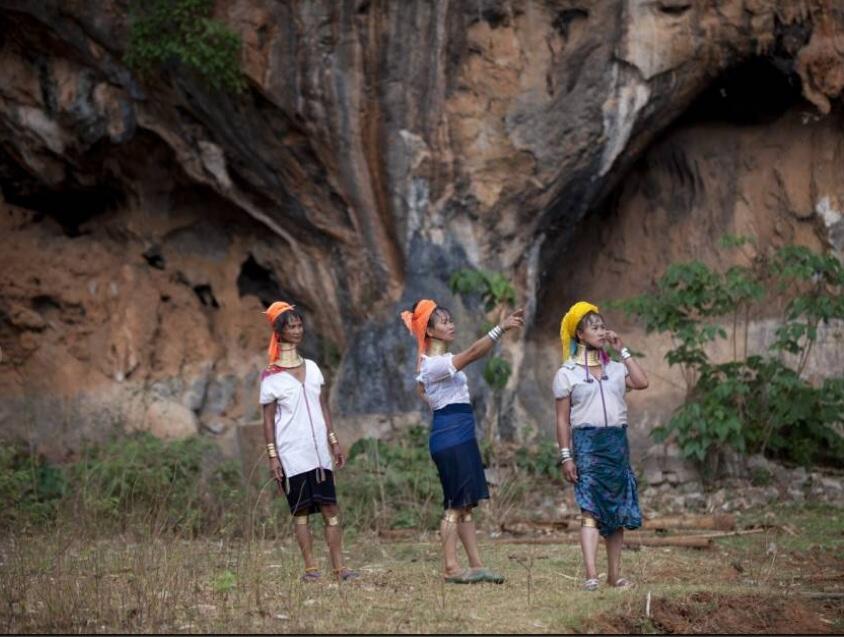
[(306, 494), (462, 476)]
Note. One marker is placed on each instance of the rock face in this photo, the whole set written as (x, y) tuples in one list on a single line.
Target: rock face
[(577, 147)]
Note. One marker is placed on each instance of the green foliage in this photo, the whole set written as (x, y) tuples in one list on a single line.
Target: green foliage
[(542, 462), (497, 371), (391, 485), (180, 485), (494, 290), (225, 582), (183, 31), (30, 488), (493, 287), (754, 403)]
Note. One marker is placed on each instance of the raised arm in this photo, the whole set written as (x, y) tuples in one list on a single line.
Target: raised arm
[(636, 377), (483, 345)]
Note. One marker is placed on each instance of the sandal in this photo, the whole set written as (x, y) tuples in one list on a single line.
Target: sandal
[(490, 576), (464, 577), (346, 574), (622, 583), (311, 575), (591, 584)]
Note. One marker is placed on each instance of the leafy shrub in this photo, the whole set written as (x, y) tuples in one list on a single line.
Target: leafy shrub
[(755, 402), (541, 462), (392, 485), (183, 31), (494, 290), (493, 287), (180, 485), (30, 488)]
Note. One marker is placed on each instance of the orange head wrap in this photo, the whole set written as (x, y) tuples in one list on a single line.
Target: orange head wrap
[(273, 312), (417, 322)]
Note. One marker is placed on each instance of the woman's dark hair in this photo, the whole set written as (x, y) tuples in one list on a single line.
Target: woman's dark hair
[(284, 319), (438, 311), (582, 324)]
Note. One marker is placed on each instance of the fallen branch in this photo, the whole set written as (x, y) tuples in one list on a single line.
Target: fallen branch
[(821, 595), (685, 541), (523, 527), (716, 521), (719, 534)]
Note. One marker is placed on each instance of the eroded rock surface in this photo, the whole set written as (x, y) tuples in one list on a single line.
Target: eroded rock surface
[(379, 147)]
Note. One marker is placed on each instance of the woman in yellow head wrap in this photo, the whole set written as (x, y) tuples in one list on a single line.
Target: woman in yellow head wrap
[(592, 433), (301, 444)]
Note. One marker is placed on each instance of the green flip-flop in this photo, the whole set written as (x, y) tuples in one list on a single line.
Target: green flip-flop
[(465, 577), (490, 576)]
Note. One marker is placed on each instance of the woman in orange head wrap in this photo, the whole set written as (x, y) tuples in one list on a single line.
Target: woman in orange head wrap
[(592, 433), (300, 437), (452, 442)]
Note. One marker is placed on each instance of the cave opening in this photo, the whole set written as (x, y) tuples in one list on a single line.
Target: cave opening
[(205, 294), (756, 93), (259, 281), (71, 206)]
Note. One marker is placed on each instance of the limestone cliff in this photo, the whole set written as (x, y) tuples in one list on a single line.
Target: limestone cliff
[(575, 146)]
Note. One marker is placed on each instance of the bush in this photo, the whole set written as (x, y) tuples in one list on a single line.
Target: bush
[(180, 485), (30, 488), (182, 31), (391, 485), (542, 462), (754, 403), (185, 487)]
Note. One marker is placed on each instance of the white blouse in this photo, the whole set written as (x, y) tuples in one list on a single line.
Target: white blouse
[(599, 403), (300, 431), (444, 385)]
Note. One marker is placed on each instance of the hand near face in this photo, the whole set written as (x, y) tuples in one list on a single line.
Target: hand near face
[(614, 340)]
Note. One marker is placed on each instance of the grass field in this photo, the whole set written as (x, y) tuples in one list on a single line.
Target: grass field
[(73, 581)]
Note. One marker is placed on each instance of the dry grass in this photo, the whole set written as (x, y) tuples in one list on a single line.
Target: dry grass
[(73, 582)]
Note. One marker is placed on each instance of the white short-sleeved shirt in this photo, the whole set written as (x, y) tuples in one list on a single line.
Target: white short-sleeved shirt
[(444, 385), (300, 431), (600, 403)]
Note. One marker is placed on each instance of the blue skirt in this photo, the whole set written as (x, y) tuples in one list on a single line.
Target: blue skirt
[(455, 451), (606, 485)]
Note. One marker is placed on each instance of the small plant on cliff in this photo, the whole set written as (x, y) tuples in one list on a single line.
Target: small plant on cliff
[(183, 31), (494, 290), (754, 402)]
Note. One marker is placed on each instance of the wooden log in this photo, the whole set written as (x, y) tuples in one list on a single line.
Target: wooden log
[(685, 541), (523, 527), (821, 594), (715, 522), (719, 534), (398, 534)]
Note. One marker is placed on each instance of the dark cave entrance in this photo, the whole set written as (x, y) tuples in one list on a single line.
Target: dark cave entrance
[(71, 206), (757, 92)]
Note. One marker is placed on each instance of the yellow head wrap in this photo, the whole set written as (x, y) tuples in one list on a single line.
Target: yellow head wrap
[(568, 326)]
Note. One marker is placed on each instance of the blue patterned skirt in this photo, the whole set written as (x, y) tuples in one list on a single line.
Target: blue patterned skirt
[(606, 486)]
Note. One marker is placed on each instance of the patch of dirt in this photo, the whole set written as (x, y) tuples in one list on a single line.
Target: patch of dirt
[(705, 612)]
